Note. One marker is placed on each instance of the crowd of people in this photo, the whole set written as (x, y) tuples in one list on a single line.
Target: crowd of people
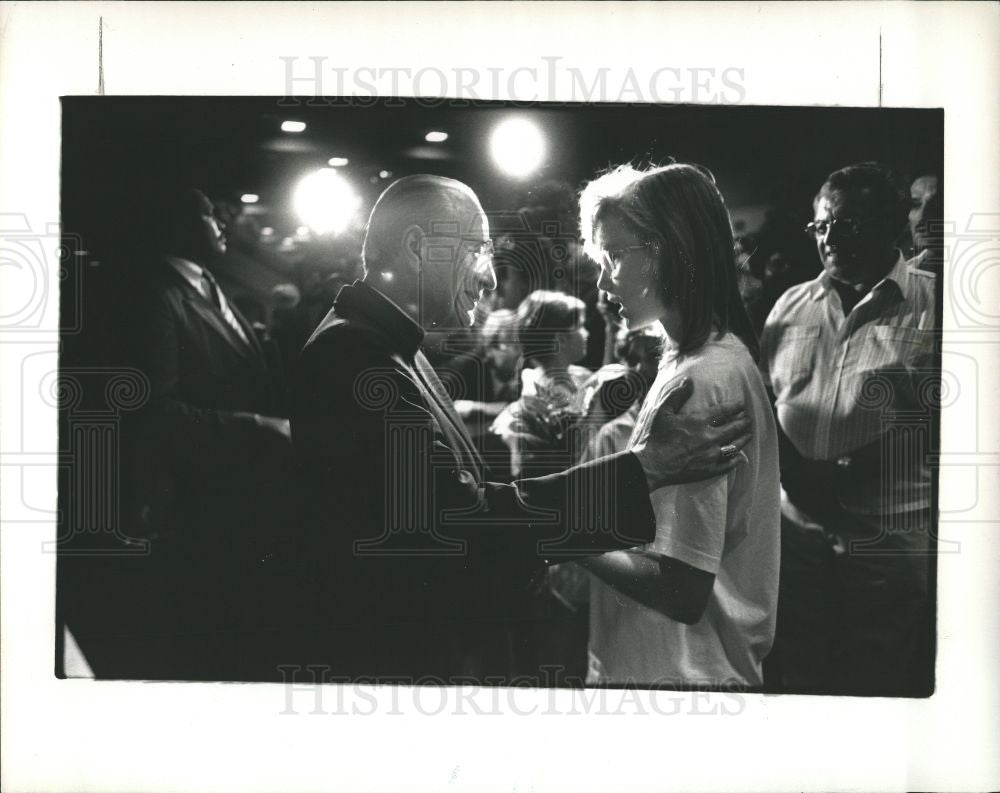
[(613, 437)]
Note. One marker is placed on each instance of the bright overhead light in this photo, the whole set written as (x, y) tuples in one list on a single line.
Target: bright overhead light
[(325, 201), (436, 137), (518, 147), (249, 198), (384, 174), (293, 126), (338, 162)]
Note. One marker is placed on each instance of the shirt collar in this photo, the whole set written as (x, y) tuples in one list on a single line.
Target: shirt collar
[(896, 276), (188, 270), (361, 301)]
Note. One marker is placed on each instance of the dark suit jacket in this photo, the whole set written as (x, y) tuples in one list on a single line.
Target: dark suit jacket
[(409, 543), (218, 470), (201, 476)]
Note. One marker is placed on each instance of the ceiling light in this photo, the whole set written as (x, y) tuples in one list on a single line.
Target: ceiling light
[(325, 201), (518, 147)]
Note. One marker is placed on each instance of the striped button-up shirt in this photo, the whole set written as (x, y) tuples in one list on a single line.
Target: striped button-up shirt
[(842, 382)]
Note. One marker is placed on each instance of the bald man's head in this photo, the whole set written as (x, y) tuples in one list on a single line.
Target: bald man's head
[(435, 204), (426, 244)]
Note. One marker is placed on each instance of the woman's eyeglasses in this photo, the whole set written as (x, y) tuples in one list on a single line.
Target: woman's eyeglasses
[(615, 255)]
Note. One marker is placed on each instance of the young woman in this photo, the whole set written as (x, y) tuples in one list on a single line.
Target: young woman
[(697, 606)]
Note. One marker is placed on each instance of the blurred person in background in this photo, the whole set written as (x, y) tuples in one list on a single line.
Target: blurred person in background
[(783, 258), (640, 357), (208, 469), (627, 384), (926, 219), (539, 428), (849, 355), (489, 382), (750, 286)]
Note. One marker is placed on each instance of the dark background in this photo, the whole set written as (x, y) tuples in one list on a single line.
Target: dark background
[(114, 147), (118, 152)]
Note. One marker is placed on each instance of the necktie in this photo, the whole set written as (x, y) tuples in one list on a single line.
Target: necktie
[(219, 301)]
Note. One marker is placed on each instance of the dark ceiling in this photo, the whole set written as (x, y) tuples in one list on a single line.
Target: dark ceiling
[(112, 146)]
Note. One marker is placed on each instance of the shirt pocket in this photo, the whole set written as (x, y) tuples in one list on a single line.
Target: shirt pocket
[(894, 347), (795, 358), (897, 369)]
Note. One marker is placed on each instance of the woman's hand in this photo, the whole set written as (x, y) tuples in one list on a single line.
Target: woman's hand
[(686, 447)]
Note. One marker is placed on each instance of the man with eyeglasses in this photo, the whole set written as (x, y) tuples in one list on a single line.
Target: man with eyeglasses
[(414, 562), (850, 358)]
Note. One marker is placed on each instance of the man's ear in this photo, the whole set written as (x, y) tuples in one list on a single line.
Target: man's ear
[(413, 239)]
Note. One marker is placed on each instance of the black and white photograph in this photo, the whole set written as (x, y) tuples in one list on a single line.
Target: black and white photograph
[(438, 392), (498, 396)]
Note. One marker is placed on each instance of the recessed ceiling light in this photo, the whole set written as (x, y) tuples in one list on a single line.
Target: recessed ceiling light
[(337, 162), (436, 137), (249, 198), (293, 126), (384, 174)]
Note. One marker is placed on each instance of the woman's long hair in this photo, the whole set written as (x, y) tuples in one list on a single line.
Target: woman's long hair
[(680, 213)]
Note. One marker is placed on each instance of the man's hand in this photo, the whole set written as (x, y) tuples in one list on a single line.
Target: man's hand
[(691, 446)]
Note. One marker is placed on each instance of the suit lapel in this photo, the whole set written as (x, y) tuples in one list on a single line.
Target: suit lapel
[(252, 339), (212, 317), (433, 384)]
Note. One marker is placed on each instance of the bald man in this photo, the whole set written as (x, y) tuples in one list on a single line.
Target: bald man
[(415, 562)]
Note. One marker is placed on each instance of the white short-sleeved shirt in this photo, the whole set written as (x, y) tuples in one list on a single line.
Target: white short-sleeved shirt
[(728, 526)]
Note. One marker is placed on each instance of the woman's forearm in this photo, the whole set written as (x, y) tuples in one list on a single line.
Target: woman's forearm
[(671, 587), (631, 573)]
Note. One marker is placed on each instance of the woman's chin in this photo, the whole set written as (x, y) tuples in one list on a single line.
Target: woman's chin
[(633, 323)]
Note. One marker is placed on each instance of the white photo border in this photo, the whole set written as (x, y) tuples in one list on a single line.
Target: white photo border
[(88, 735)]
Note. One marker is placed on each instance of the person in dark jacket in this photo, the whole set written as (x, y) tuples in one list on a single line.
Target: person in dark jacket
[(208, 479)]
